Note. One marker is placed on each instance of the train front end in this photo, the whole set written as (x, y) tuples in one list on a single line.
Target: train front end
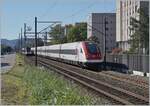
[(92, 55)]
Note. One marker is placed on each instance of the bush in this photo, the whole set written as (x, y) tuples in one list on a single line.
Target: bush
[(46, 88)]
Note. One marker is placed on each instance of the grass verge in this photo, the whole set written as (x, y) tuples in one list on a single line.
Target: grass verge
[(25, 84)]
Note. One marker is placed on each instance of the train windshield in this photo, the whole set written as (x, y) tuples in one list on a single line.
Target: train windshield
[(92, 48)]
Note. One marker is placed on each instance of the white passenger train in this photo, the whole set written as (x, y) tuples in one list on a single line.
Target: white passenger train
[(85, 53), (27, 51)]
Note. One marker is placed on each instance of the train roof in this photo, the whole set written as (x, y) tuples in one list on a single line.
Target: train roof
[(66, 43)]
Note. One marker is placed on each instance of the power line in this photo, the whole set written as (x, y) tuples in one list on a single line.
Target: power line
[(46, 28), (49, 9), (74, 14), (95, 29), (79, 11)]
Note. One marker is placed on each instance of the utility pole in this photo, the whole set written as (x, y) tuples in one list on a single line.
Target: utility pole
[(105, 45), (19, 43), (35, 41), (24, 35), (46, 38), (36, 33), (21, 39)]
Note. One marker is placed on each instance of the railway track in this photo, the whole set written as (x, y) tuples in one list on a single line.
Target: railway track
[(133, 81), (114, 80), (120, 95)]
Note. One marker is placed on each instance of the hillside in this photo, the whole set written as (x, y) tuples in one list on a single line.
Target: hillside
[(14, 43), (11, 43)]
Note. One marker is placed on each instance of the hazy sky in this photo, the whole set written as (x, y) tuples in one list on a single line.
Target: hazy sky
[(17, 12)]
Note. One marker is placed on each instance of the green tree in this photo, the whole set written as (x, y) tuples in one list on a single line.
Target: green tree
[(140, 37), (77, 32), (71, 34), (5, 49), (57, 34)]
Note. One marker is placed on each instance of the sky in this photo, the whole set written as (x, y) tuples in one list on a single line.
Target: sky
[(14, 13)]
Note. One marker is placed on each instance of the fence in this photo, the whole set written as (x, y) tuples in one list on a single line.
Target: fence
[(132, 61)]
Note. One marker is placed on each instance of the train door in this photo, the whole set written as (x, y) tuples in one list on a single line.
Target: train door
[(60, 51), (80, 53), (77, 52)]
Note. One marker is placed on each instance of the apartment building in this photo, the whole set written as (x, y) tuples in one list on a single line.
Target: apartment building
[(96, 27), (126, 9)]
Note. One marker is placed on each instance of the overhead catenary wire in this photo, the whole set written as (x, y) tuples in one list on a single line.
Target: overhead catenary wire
[(49, 9), (46, 11), (76, 13), (123, 11), (95, 29), (46, 28), (83, 9), (79, 11)]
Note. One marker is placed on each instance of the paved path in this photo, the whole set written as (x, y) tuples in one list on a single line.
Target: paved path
[(7, 62)]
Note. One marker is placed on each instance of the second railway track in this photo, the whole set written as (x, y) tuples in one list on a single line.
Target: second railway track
[(133, 81), (120, 95)]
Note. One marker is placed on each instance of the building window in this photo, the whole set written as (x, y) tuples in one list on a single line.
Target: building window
[(106, 29), (130, 2), (124, 4), (106, 22)]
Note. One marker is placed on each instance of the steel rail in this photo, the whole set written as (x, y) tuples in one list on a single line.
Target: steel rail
[(122, 79), (140, 98), (90, 86), (137, 98), (128, 80)]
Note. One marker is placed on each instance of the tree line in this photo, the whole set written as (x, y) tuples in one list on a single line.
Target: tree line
[(6, 49), (69, 33)]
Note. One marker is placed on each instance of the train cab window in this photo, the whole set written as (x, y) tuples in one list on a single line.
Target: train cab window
[(92, 48), (81, 50)]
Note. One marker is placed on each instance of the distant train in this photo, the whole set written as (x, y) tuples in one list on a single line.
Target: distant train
[(27, 51), (84, 53)]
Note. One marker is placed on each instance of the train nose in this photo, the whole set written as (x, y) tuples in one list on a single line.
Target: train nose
[(93, 56)]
